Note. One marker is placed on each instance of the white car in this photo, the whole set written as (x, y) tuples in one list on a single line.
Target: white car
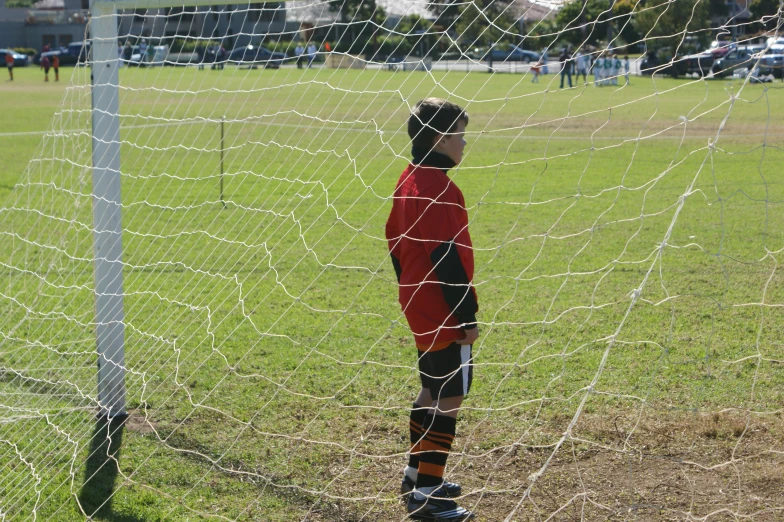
[(772, 62), (158, 58)]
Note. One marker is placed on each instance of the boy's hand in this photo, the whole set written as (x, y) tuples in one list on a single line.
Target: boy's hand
[(470, 336)]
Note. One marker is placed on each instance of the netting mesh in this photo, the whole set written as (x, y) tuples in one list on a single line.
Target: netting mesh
[(626, 240)]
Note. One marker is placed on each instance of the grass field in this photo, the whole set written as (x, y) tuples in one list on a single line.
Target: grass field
[(626, 242)]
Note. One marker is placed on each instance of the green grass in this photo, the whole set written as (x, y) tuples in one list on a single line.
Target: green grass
[(269, 367)]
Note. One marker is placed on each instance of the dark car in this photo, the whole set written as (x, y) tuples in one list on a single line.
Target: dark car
[(20, 60), (253, 54), (745, 56), (71, 54), (699, 63), (513, 54), (661, 62)]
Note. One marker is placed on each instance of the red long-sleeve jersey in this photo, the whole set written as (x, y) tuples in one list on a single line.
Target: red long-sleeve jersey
[(427, 234)]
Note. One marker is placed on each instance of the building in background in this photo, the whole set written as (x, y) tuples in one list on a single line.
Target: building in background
[(49, 22)]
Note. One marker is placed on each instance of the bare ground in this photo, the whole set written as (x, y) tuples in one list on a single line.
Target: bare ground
[(674, 466)]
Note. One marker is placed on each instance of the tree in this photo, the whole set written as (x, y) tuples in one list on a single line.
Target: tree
[(683, 25), (446, 13), (766, 12), (360, 21), (584, 21), (487, 22)]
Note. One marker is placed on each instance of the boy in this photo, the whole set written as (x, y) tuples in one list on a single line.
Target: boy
[(56, 67), (427, 234)]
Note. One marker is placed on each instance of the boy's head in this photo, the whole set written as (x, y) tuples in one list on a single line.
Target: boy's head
[(438, 125)]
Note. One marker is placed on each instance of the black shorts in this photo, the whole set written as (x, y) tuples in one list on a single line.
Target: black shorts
[(448, 372)]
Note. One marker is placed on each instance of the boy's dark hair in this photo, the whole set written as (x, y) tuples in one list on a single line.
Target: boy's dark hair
[(431, 117)]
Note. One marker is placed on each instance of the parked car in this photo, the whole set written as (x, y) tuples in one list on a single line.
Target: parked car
[(772, 62), (745, 56), (721, 48), (698, 63), (661, 62), (513, 54), (71, 54), (158, 58), (253, 54), (20, 60)]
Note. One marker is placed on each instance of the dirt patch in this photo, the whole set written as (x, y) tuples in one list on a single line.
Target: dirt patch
[(668, 466), (137, 422)]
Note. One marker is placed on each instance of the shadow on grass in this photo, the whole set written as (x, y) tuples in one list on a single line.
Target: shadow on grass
[(101, 472)]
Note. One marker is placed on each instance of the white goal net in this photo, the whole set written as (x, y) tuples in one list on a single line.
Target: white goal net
[(627, 228)]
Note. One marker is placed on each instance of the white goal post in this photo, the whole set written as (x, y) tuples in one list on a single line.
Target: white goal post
[(107, 203)]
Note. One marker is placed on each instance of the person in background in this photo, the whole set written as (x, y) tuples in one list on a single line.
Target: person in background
[(566, 66), (221, 57), (597, 70), (311, 54), (142, 51), (127, 52), (56, 67), (9, 62), (298, 52), (581, 65), (545, 59), (150, 54), (626, 68), (535, 69), (45, 63), (607, 65)]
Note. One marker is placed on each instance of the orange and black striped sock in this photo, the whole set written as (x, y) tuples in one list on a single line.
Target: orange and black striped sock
[(415, 423), (435, 446)]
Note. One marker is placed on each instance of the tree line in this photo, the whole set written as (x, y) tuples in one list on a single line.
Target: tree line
[(457, 27)]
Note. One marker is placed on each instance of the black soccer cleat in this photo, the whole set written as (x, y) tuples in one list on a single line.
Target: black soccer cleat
[(436, 509), (445, 490)]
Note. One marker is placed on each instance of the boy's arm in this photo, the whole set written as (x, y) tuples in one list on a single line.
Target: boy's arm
[(455, 285), (393, 238), (448, 246)]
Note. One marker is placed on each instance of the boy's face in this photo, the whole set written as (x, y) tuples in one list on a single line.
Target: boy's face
[(452, 144)]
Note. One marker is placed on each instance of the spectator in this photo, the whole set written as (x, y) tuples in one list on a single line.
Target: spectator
[(566, 66), (142, 51), (597, 70), (298, 52), (311, 54), (127, 52), (45, 63), (221, 57), (9, 62), (545, 66), (626, 68), (535, 69), (150, 53), (616, 69), (119, 55), (56, 67), (607, 69), (581, 64)]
